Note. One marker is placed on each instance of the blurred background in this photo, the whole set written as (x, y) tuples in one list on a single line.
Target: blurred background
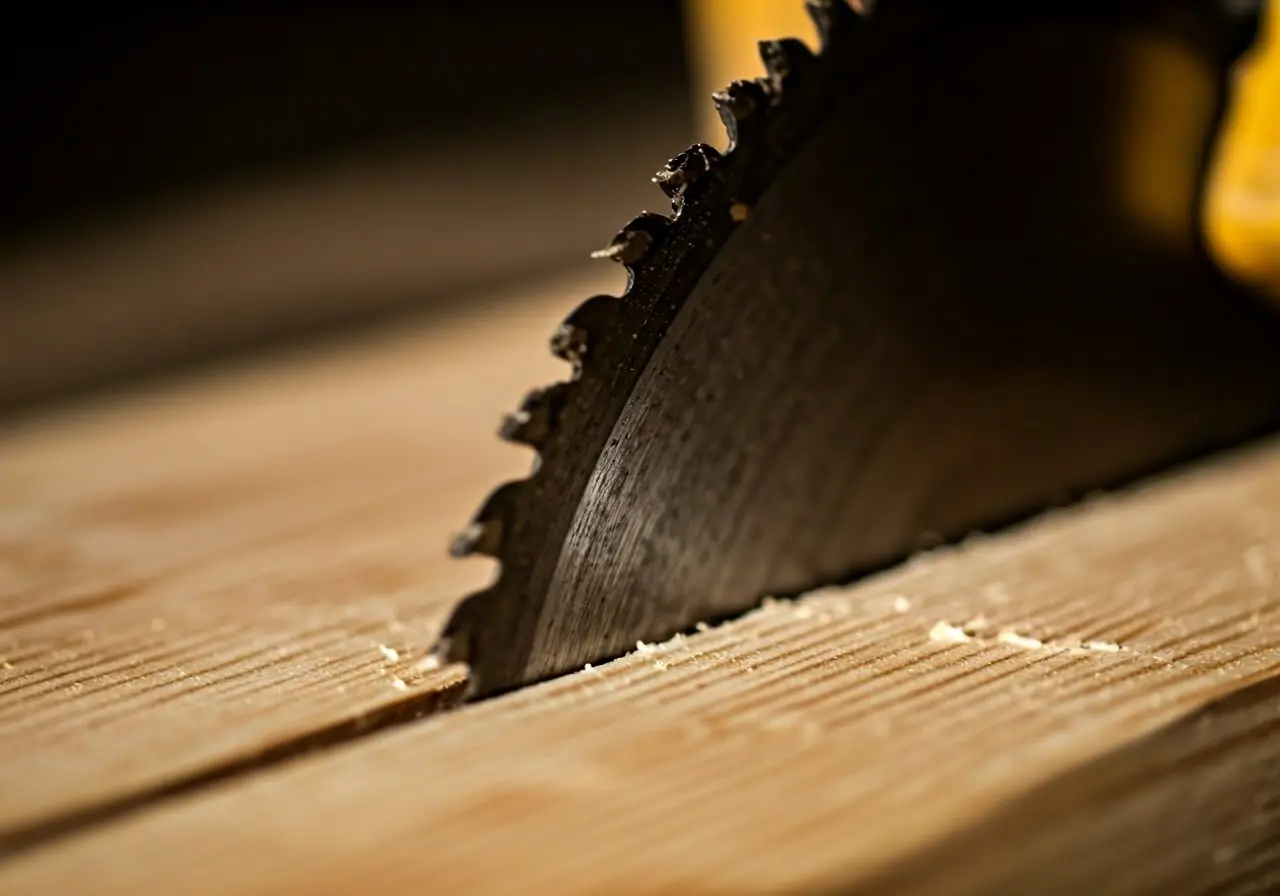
[(185, 185)]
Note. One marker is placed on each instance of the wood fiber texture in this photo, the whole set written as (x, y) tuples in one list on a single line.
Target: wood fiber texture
[(1089, 700), (200, 574)]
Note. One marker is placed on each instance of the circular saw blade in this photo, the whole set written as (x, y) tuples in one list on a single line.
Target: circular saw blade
[(948, 273)]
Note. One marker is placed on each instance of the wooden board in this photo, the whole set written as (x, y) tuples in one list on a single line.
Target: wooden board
[(195, 576), (1089, 702)]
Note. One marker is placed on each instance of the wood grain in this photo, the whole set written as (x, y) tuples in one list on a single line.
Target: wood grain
[(195, 575), (1109, 670)]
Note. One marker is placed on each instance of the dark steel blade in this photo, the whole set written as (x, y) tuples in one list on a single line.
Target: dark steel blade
[(949, 274)]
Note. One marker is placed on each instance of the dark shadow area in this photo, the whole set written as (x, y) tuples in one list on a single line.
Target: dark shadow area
[(185, 183)]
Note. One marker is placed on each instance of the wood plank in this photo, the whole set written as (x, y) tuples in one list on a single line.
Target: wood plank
[(1111, 671), (197, 574)]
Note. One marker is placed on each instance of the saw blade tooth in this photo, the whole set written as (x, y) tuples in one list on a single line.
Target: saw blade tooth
[(833, 18), (784, 59), (738, 105), (627, 247), (456, 642), (685, 170), (485, 533), (475, 539), (535, 421), (572, 339), (634, 240)]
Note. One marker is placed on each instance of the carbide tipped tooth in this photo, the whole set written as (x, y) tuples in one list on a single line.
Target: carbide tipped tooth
[(572, 339), (457, 642), (485, 532), (634, 241), (685, 170), (535, 421), (832, 17), (784, 58), (627, 248), (737, 104), (477, 538), (570, 343)]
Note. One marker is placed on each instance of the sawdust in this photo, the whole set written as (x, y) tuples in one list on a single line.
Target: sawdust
[(944, 632), (676, 641), (1102, 646), (1013, 639)]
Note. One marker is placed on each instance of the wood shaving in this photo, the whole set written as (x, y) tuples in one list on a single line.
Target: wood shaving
[(1013, 639), (1102, 646), (945, 633)]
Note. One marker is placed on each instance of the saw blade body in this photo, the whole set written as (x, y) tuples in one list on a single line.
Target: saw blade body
[(948, 273)]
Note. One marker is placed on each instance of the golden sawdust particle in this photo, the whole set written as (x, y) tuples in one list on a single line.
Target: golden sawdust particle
[(676, 641), (1102, 646), (1013, 639), (739, 211), (390, 653), (944, 632)]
